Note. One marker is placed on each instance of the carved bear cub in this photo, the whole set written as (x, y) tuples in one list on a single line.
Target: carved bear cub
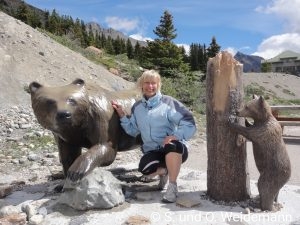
[(81, 116), (269, 149)]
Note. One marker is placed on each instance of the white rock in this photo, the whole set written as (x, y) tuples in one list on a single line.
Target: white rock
[(36, 219)]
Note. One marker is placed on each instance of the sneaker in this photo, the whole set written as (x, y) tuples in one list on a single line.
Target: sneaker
[(171, 193)]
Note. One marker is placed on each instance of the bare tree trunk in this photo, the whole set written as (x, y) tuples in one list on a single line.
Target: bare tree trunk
[(227, 169)]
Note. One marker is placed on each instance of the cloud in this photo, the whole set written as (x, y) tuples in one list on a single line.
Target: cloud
[(94, 19), (140, 37), (186, 48), (231, 50), (288, 12), (276, 44), (122, 24)]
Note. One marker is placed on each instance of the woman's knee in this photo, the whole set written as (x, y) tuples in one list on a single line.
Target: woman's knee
[(149, 163), (177, 147)]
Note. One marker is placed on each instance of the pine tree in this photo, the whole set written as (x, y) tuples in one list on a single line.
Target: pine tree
[(184, 54), (211, 52), (123, 46), (162, 54), (85, 35), (109, 48), (194, 57), (46, 18), (117, 44), (77, 32), (198, 58), (91, 37), (97, 40), (202, 58), (54, 22), (22, 12), (165, 30), (137, 51), (213, 48), (129, 49)]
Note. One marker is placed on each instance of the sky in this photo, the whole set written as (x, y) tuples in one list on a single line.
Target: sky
[(254, 27)]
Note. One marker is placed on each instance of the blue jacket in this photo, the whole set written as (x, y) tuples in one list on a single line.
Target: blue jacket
[(158, 117)]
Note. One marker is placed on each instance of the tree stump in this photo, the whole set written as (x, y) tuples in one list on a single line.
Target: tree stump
[(227, 169)]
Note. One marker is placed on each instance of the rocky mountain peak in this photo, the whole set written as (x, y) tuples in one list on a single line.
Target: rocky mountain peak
[(251, 63)]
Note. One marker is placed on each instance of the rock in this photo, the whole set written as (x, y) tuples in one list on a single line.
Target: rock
[(9, 210), (29, 209), (22, 160), (94, 50), (98, 190), (114, 71), (42, 211), (137, 220), (5, 190), (33, 157), (25, 126), (246, 211), (15, 161), (188, 200), (14, 219), (36, 219), (52, 155)]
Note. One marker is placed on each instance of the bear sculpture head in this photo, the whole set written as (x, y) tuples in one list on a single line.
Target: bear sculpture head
[(257, 109), (60, 108)]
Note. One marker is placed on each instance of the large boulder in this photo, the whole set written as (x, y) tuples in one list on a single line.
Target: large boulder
[(98, 190)]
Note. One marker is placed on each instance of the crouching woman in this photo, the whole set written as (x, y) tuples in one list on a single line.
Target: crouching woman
[(165, 125)]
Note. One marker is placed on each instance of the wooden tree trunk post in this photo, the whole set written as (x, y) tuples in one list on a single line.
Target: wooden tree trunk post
[(227, 169)]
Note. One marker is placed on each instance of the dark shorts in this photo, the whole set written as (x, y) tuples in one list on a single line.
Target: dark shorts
[(150, 161)]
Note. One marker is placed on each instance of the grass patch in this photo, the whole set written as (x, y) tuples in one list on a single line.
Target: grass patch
[(286, 91), (256, 89), (47, 140), (32, 144)]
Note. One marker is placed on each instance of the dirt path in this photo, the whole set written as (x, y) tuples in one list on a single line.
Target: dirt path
[(198, 155)]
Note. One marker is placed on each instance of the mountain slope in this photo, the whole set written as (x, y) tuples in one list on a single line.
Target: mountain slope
[(10, 7), (27, 55), (114, 34), (251, 63)]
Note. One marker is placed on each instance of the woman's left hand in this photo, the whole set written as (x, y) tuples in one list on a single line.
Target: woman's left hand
[(168, 139), (118, 108)]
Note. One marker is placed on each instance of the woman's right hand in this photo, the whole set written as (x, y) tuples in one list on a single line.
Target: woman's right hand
[(118, 108)]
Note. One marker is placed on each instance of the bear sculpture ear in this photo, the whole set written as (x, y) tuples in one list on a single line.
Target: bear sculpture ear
[(261, 99), (78, 82), (34, 86)]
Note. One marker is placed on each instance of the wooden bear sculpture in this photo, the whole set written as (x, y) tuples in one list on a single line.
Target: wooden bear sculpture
[(269, 149)]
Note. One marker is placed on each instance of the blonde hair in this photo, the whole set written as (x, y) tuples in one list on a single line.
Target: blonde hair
[(149, 75)]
